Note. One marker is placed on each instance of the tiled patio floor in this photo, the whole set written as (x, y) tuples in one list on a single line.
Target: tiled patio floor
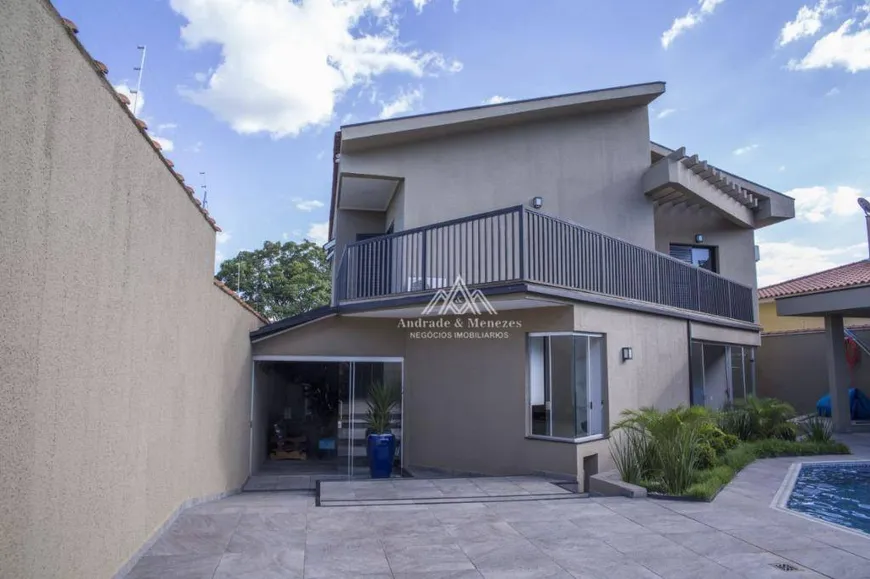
[(283, 535)]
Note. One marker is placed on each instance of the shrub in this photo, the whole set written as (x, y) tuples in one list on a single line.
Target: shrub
[(772, 448), (678, 458), (817, 429), (629, 451), (713, 444), (758, 418)]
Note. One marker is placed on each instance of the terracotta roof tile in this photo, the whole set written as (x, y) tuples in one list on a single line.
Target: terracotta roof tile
[(844, 276), (157, 144), (72, 29), (236, 297), (70, 25), (179, 176)]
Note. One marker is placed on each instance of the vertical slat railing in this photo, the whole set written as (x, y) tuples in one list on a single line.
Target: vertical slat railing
[(518, 244)]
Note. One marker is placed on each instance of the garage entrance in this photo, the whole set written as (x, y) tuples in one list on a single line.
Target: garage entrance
[(308, 418)]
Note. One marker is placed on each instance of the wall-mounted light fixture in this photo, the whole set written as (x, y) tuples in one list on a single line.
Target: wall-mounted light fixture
[(627, 354), (537, 202), (699, 238)]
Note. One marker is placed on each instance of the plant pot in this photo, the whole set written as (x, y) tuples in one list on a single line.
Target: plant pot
[(381, 448)]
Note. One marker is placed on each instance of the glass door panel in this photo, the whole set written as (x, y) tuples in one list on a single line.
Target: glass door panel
[(364, 377)]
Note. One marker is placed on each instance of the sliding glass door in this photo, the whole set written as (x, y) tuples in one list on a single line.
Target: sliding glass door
[(371, 383)]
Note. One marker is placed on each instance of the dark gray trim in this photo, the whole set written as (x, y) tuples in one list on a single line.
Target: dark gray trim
[(852, 301), (292, 322), (531, 100), (625, 304)]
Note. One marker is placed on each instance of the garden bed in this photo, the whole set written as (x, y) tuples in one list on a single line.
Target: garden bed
[(709, 482), (692, 453)]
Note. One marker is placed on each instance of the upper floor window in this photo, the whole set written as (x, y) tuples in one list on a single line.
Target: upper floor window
[(702, 256)]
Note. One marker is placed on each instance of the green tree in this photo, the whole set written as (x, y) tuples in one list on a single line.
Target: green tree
[(281, 279)]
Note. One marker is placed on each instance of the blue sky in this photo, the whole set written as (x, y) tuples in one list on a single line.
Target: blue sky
[(250, 91)]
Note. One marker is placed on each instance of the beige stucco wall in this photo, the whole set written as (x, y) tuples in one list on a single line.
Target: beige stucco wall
[(337, 336), (723, 335), (124, 372), (465, 402), (583, 167), (735, 245)]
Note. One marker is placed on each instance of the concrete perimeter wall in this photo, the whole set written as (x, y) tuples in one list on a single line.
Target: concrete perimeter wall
[(792, 367), (124, 371)]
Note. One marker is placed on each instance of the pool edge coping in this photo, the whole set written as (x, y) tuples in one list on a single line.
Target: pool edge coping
[(783, 494)]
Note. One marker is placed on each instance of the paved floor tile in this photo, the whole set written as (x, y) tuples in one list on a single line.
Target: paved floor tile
[(267, 535)]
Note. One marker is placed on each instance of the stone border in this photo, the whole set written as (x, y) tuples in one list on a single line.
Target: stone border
[(610, 484), (125, 569), (783, 494)]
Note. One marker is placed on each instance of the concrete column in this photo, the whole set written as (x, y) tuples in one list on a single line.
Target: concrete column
[(838, 373)]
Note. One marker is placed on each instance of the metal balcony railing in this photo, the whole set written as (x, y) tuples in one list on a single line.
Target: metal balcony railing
[(520, 245)]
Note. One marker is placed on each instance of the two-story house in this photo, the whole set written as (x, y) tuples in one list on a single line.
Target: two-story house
[(601, 272)]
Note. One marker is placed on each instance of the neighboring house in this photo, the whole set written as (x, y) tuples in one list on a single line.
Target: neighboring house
[(792, 362), (610, 273)]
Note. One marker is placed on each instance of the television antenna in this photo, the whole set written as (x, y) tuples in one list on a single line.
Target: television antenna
[(204, 188), (140, 69)]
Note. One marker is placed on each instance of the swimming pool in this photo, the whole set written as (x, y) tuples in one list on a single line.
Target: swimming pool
[(835, 492)]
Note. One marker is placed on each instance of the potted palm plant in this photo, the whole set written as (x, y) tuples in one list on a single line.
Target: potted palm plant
[(380, 440)]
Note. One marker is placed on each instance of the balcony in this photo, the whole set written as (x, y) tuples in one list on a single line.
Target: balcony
[(518, 245)]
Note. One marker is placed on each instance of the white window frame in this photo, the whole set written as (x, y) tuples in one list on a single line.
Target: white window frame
[(601, 393)]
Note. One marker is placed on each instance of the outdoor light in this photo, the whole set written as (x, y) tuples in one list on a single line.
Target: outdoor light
[(627, 354), (537, 202), (699, 238)]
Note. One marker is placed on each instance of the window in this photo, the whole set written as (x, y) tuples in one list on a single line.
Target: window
[(720, 374), (698, 255), (566, 385)]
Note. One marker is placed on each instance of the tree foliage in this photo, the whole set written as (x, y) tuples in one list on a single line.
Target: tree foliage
[(281, 279)]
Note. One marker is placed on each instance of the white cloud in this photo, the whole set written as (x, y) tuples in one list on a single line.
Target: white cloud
[(403, 103), (456, 6), (420, 4), (496, 100), (807, 22), (692, 18), (665, 113), (866, 9), (218, 257), (781, 168), (285, 64), (746, 149), (843, 47), (125, 90), (222, 237), (786, 260), (318, 232), (196, 147), (306, 204), (833, 92), (295, 234), (165, 144), (167, 127), (816, 204)]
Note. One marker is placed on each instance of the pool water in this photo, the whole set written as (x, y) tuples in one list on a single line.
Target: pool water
[(838, 493)]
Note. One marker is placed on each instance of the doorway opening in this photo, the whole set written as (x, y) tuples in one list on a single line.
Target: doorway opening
[(308, 418)]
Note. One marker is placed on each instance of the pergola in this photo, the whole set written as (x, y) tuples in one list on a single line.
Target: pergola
[(833, 305)]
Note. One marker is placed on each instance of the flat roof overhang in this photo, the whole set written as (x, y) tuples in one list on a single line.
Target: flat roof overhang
[(851, 302), (392, 132)]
